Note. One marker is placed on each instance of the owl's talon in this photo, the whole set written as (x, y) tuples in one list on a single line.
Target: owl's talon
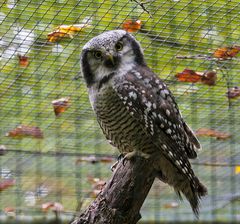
[(134, 154), (119, 158), (114, 166)]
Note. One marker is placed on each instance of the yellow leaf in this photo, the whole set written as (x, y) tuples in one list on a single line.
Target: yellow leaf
[(237, 169)]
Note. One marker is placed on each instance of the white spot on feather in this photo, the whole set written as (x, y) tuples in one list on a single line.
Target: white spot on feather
[(138, 75), (170, 154), (164, 146), (169, 131), (149, 104), (133, 95), (167, 112)]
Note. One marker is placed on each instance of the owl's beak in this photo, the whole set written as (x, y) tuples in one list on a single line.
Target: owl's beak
[(110, 61)]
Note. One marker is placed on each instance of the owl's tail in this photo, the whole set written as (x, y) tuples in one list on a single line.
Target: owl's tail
[(192, 190), (193, 193)]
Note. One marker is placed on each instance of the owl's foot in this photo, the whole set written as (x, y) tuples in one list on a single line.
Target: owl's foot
[(134, 154), (114, 166)]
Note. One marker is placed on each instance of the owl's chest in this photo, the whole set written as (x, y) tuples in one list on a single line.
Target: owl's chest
[(122, 129)]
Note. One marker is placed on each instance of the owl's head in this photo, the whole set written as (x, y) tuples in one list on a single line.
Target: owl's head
[(108, 54)]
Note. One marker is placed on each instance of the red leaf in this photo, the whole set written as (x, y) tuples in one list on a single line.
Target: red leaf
[(188, 75), (25, 131), (131, 25), (212, 133), (53, 206), (6, 183)]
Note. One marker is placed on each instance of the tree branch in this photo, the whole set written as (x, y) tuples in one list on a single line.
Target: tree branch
[(122, 198)]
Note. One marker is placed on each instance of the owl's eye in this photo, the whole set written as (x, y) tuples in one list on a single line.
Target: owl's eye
[(97, 54), (119, 46)]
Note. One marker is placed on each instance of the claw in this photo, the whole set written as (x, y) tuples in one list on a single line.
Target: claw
[(119, 158), (114, 166), (133, 154)]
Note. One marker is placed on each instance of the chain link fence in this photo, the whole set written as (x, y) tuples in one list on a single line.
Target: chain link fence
[(53, 156)]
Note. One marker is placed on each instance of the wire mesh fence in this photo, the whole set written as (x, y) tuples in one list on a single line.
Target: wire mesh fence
[(53, 155)]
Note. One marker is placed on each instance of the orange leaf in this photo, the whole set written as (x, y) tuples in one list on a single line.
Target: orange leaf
[(209, 78), (23, 61), (131, 25), (226, 52), (171, 205), (56, 35), (188, 75), (61, 105), (6, 183), (233, 92), (65, 31), (25, 131), (9, 209), (106, 159), (53, 206), (74, 27), (212, 133)]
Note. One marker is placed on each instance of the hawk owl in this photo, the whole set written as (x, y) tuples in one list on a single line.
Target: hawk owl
[(137, 112)]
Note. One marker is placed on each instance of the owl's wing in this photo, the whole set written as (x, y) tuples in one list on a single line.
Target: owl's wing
[(151, 103), (149, 100)]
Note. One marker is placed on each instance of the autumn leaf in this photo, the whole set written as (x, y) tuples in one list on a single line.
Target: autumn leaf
[(237, 169), (106, 159), (61, 105), (188, 75), (9, 209), (226, 52), (132, 25), (73, 28), (6, 183), (212, 133), (209, 78), (171, 205), (233, 92), (53, 206), (25, 131), (56, 35), (23, 61), (66, 31)]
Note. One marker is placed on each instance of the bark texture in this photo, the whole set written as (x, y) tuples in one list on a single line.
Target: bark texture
[(122, 198)]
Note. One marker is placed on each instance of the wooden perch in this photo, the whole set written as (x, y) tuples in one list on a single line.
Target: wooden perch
[(122, 198)]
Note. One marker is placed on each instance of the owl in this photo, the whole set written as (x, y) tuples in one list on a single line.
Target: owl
[(138, 113)]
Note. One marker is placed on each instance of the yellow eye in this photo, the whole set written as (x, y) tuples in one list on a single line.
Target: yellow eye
[(119, 46), (97, 54)]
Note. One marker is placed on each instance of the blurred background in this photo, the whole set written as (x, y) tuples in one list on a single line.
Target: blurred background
[(54, 159)]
